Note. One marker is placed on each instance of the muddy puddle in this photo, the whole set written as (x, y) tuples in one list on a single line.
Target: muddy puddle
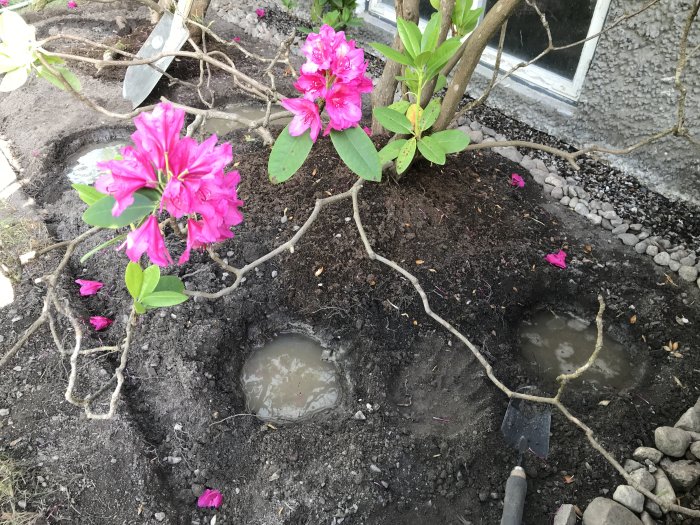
[(288, 380), (81, 167), (559, 343), (222, 126)]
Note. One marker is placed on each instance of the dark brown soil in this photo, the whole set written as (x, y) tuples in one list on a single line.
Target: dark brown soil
[(476, 244)]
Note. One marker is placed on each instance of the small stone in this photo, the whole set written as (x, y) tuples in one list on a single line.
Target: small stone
[(565, 200), (688, 273), (671, 441), (644, 478), (610, 215), (674, 266), (4, 412), (573, 202), (595, 204), (690, 420), (641, 247), (527, 163), (547, 188), (647, 519), (652, 250), (510, 152), (476, 136), (159, 516), (622, 228), (643, 235), (274, 273), (581, 209), (636, 227), (554, 181), (604, 511), (695, 449), (173, 460), (566, 515), (557, 193), (688, 261), (662, 258), (606, 224), (642, 453), (628, 239), (683, 474), (664, 490), (632, 465), (607, 206), (629, 497), (375, 468), (594, 218), (359, 416), (652, 508), (539, 175), (616, 222)]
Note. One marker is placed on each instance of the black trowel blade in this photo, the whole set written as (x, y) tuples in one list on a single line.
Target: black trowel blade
[(526, 426)]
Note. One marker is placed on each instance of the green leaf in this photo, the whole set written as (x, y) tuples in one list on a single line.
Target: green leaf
[(69, 77), (451, 140), (430, 114), (133, 276), (392, 54), (50, 77), (393, 120), (431, 33), (410, 36), (161, 299), (435, 4), (470, 21), (100, 213), (139, 308), (102, 246), (88, 194), (391, 150), (441, 56), (458, 12), (405, 156), (358, 153), (400, 105), (441, 83), (422, 58), (170, 283), (288, 154), (431, 150), (151, 276)]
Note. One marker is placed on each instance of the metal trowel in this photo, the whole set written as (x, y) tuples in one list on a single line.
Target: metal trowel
[(526, 428), (169, 35)]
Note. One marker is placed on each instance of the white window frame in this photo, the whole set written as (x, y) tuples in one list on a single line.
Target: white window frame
[(569, 89)]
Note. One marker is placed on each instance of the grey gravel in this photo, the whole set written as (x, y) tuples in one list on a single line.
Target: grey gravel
[(566, 515), (610, 215), (629, 239), (671, 441), (4, 412), (622, 228), (662, 258), (604, 511), (695, 449), (652, 250), (641, 247), (558, 193), (683, 474), (644, 478), (674, 266), (565, 200), (652, 454), (595, 219), (581, 209), (652, 508), (632, 465), (629, 497), (664, 490)]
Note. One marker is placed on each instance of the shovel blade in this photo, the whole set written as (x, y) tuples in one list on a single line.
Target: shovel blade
[(526, 427), (168, 36)]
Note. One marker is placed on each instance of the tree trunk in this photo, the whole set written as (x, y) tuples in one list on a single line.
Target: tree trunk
[(473, 49), (446, 9), (383, 93)]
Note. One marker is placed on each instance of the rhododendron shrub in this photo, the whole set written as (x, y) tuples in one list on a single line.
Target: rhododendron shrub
[(332, 79), (163, 176)]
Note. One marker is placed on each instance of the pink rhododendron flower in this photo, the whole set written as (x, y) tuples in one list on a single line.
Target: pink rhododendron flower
[(100, 323), (210, 498), (89, 287), (188, 176), (72, 4), (147, 238), (335, 71), (517, 181), (4, 3), (260, 12), (557, 259), (305, 116)]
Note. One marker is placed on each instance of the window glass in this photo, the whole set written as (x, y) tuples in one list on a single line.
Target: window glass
[(568, 22)]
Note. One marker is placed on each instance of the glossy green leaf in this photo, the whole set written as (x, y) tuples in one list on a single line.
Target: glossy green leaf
[(133, 276), (358, 153), (100, 213), (161, 299), (435, 4), (441, 56), (391, 150), (422, 58), (451, 140), (88, 194), (288, 154), (102, 246), (170, 283), (431, 150), (69, 77), (470, 21), (431, 33), (410, 36), (400, 105), (139, 308), (430, 114), (461, 6), (393, 120), (405, 156), (392, 54), (151, 276), (440, 84)]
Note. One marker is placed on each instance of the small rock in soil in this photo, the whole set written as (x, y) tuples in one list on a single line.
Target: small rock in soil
[(664, 490), (4, 412), (159, 516), (671, 441), (642, 453), (375, 468), (652, 250), (641, 247), (604, 511), (622, 228), (566, 515), (647, 519), (695, 449), (690, 420), (359, 416), (628, 239), (629, 497), (662, 258), (688, 273), (644, 478), (632, 465), (683, 474)]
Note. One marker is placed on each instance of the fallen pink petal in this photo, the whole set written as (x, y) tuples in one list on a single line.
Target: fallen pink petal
[(236, 38), (100, 323), (367, 130), (260, 12), (210, 498), (89, 287), (557, 259), (517, 181), (72, 4)]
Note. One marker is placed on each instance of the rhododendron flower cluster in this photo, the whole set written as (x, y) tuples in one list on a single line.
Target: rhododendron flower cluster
[(189, 177), (332, 77)]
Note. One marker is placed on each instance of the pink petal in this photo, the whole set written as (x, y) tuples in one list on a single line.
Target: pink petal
[(89, 287), (260, 12), (210, 498), (99, 322), (517, 180), (367, 130), (236, 38), (557, 259)]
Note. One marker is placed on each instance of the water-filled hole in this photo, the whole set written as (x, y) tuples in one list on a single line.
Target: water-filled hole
[(81, 167), (288, 380), (222, 126), (554, 344)]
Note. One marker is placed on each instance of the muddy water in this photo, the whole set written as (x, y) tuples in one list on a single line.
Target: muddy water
[(287, 380), (223, 126), (558, 344), (82, 166)]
